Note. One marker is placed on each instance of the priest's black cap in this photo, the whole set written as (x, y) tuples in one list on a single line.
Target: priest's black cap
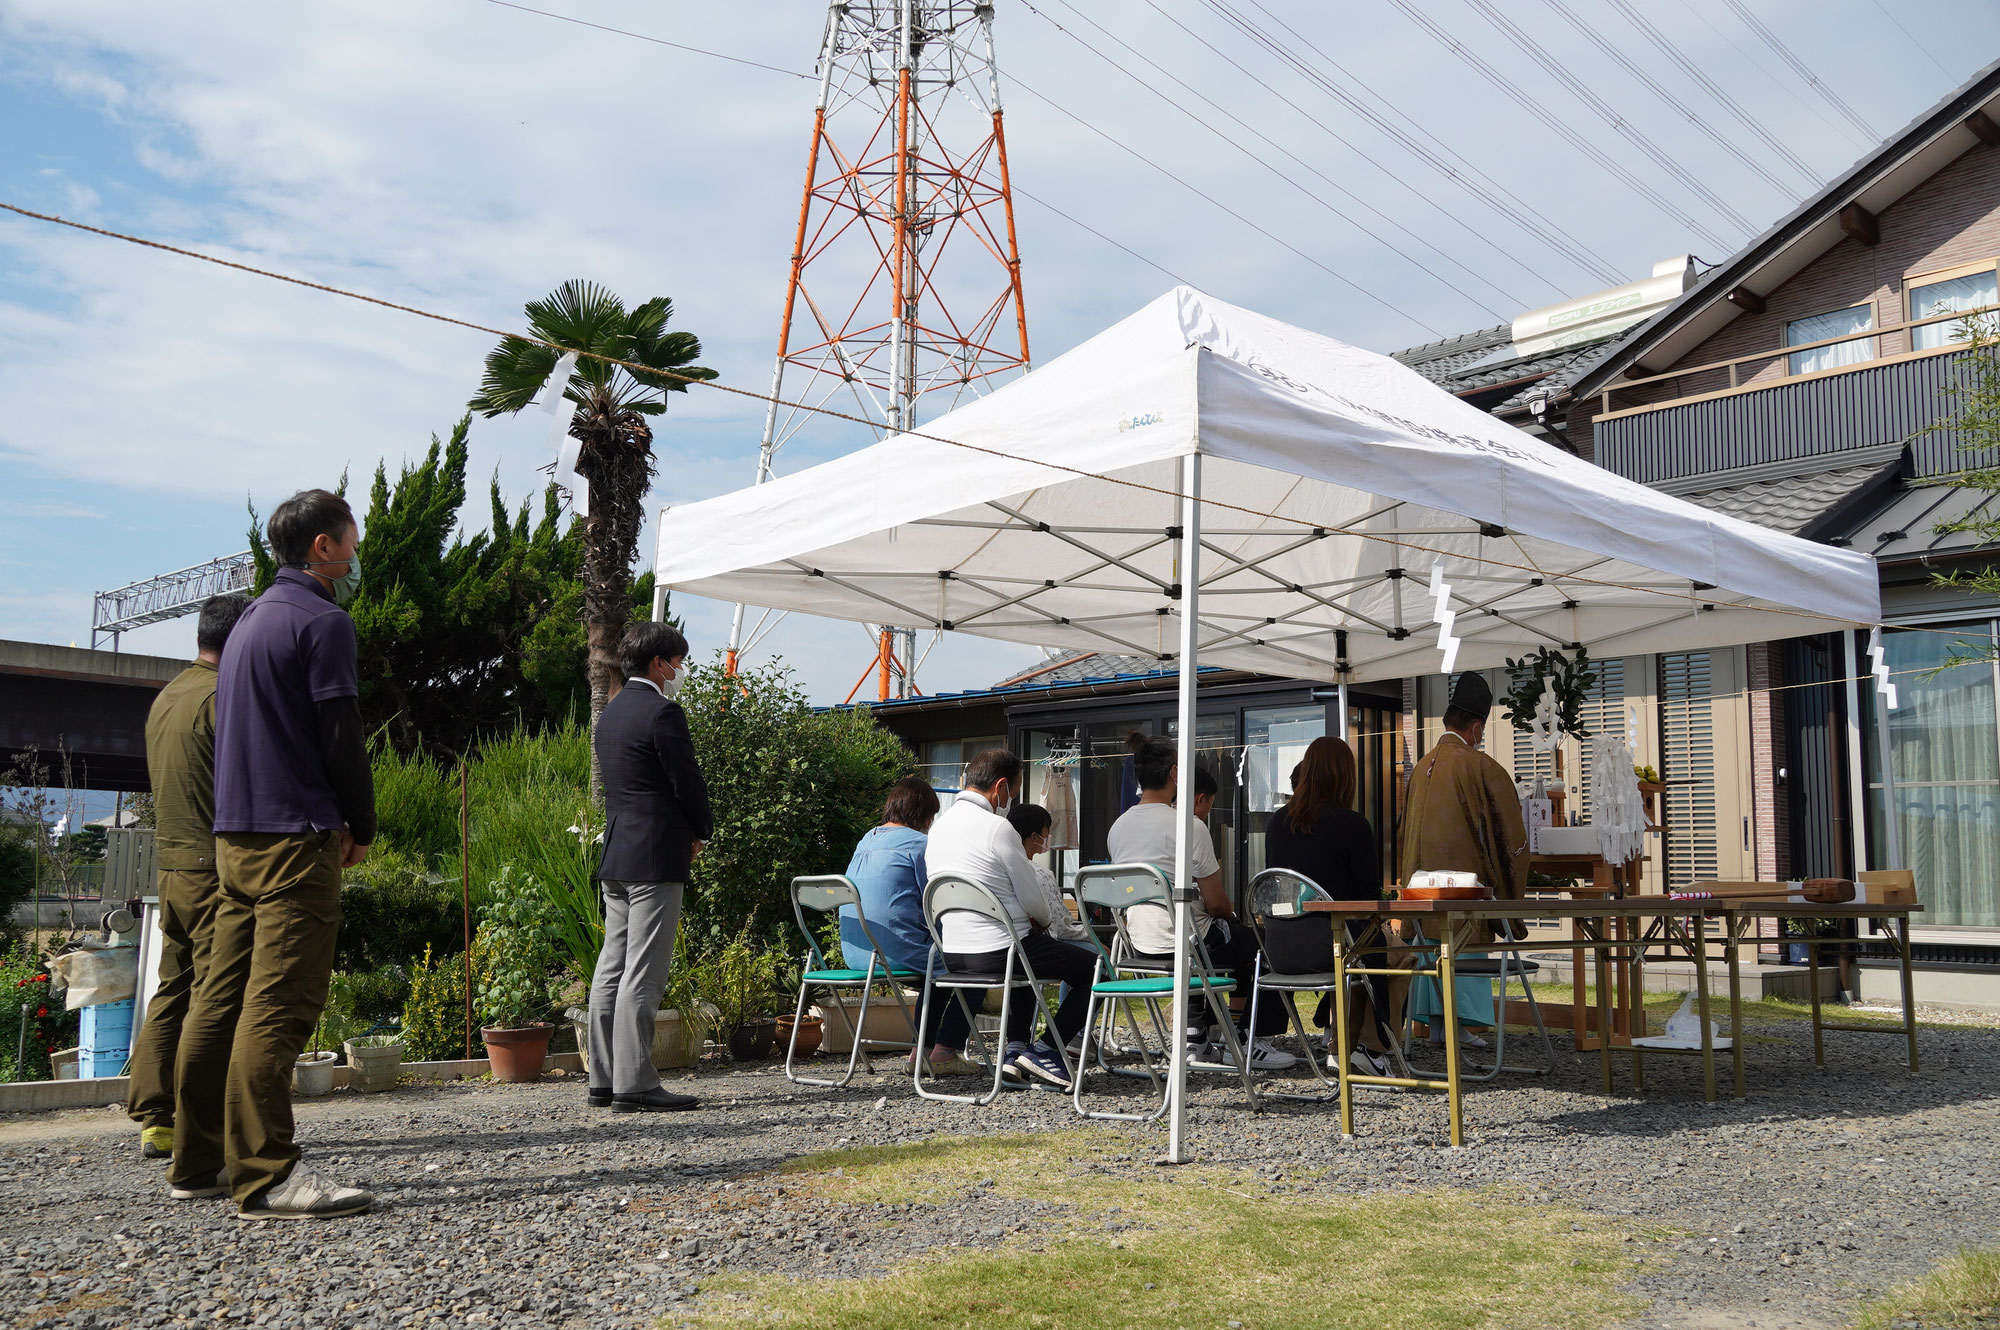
[(1472, 694)]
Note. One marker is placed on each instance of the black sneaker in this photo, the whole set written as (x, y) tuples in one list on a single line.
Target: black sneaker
[(653, 1101), (1042, 1064)]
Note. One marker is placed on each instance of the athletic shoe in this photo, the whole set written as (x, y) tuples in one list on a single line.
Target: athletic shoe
[(201, 1191), (156, 1143), (1263, 1057), (1360, 1062), (306, 1195), (1041, 1063)]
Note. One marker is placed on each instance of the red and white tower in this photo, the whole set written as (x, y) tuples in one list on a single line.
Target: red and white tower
[(905, 285)]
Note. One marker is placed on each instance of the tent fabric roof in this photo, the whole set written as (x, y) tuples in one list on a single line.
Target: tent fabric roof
[(1333, 479)]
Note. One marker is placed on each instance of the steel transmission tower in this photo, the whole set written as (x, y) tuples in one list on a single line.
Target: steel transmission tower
[(905, 284)]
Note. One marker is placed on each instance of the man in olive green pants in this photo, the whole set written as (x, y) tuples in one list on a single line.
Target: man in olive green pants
[(294, 805), (180, 766)]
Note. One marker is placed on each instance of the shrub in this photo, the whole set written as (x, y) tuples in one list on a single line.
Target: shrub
[(17, 878), (24, 982), (416, 806), (357, 1002), (793, 789), (391, 910), (434, 1013)]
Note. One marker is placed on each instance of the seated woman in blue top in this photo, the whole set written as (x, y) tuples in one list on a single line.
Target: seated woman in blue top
[(888, 867)]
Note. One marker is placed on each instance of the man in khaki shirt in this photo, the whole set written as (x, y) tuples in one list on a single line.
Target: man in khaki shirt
[(180, 762)]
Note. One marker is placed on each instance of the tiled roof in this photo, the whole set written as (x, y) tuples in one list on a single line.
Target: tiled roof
[(1786, 503), (1455, 364)]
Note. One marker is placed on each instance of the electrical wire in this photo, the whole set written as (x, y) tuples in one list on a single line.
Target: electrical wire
[(1610, 50), (1280, 174), (1690, 598), (1887, 14), (1799, 67), (1218, 204), (1107, 137), (1476, 182), (657, 41), (1699, 77), (1620, 124), (1749, 58), (1554, 124)]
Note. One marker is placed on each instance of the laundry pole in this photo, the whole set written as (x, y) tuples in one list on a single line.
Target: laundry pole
[(1187, 567)]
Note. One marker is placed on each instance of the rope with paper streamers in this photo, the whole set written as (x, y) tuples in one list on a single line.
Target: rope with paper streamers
[(1692, 598)]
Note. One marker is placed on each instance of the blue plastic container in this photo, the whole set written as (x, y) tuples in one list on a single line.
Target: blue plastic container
[(105, 1042)]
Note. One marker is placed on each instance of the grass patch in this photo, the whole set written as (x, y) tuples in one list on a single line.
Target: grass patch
[(1962, 1291), (1206, 1251)]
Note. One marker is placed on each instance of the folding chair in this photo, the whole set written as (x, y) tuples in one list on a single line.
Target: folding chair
[(1119, 887), (945, 893), (1280, 893), (1503, 965), (827, 895)]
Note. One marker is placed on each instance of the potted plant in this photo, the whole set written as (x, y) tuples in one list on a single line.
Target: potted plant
[(747, 982), (312, 1074), (514, 999), (374, 1062)]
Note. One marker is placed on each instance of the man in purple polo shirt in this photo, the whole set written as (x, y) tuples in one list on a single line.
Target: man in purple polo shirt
[(294, 805)]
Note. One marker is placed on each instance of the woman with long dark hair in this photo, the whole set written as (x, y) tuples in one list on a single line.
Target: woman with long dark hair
[(1319, 834)]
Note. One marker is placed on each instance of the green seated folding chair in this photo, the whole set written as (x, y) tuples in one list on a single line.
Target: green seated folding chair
[(1119, 887), (946, 892), (1281, 894), (826, 895)]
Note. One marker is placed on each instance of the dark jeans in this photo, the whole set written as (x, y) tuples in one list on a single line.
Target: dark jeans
[(1233, 948), (1073, 965)]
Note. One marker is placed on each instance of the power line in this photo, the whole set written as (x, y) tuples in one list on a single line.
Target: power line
[(1178, 279), (1811, 108), (1888, 14), (1476, 182), (1799, 67), (1666, 46), (1127, 148), (1690, 598), (1527, 102), (1276, 171), (1620, 124), (1610, 51), (657, 41)]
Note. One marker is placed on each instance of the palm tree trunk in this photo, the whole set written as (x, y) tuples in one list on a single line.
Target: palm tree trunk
[(617, 459)]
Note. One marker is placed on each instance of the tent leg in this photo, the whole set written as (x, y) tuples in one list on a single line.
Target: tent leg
[(1188, 568)]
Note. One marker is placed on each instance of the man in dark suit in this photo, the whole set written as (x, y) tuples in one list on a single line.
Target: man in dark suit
[(656, 822)]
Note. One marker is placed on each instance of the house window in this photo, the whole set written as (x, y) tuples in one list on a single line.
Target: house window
[(1936, 293), (1819, 327), (1944, 746)]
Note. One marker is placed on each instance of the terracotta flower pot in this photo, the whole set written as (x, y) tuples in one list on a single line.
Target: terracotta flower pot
[(753, 1039), (518, 1055), (811, 1030)]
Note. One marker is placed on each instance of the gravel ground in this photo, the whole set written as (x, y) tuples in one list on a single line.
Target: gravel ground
[(517, 1205)]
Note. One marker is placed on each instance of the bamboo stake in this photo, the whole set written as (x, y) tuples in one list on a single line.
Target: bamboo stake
[(465, 893)]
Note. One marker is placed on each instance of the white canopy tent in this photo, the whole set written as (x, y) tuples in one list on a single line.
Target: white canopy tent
[(1200, 483)]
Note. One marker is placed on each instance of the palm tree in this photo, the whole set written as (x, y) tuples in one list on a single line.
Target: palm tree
[(611, 426)]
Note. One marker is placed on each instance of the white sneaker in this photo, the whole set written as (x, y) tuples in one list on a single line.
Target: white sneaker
[(1360, 1062), (1265, 1057), (201, 1191), (306, 1195)]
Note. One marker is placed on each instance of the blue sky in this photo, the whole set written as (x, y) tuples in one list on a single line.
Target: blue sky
[(466, 157)]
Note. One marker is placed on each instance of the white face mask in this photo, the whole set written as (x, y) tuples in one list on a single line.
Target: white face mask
[(671, 689)]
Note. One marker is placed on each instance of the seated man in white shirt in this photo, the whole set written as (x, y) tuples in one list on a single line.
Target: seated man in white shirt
[(1144, 834), (971, 839)]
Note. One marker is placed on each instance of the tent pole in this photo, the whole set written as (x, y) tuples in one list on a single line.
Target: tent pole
[(1341, 726), (1188, 566)]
